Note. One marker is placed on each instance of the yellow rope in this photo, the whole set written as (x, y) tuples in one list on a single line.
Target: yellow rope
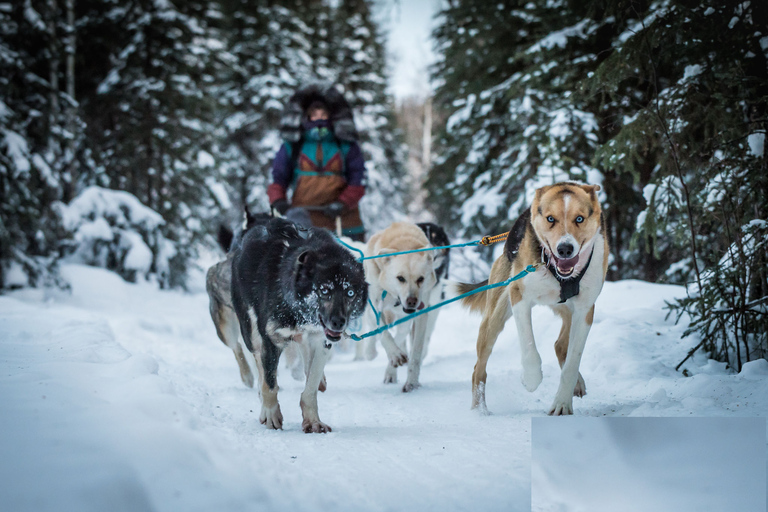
[(490, 240)]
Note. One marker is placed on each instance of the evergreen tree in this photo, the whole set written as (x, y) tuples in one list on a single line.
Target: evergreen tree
[(39, 133), (270, 45), (696, 127), (359, 62), (506, 75), (152, 119)]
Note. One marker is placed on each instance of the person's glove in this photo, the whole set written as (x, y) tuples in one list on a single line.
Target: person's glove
[(281, 206), (334, 210)]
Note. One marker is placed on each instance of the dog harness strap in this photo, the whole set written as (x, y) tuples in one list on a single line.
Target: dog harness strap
[(568, 287), (376, 313)]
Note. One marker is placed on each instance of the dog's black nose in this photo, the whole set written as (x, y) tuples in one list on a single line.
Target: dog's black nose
[(336, 323), (411, 302), (565, 250)]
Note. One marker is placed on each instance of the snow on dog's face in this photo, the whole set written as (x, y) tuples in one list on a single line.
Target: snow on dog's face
[(566, 218), (410, 276), (334, 286)]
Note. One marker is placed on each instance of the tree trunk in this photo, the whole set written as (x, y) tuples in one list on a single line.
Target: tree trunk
[(53, 74), (426, 141), (69, 185)]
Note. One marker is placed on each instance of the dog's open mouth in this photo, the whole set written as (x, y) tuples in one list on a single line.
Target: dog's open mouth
[(413, 310), (565, 267), (330, 334)]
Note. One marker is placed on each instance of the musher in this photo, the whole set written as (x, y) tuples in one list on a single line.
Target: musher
[(321, 160)]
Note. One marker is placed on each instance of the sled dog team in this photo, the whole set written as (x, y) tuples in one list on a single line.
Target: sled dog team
[(281, 285)]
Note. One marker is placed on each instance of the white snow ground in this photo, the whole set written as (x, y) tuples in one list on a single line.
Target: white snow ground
[(583, 464), (121, 397)]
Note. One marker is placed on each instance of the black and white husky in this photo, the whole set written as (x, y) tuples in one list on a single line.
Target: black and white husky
[(280, 285)]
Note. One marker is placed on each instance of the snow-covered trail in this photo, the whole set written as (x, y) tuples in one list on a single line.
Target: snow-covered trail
[(121, 397)]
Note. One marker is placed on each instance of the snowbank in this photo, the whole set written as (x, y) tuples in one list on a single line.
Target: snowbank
[(114, 230), (121, 397)]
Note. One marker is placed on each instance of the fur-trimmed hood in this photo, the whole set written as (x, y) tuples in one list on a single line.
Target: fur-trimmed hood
[(340, 113)]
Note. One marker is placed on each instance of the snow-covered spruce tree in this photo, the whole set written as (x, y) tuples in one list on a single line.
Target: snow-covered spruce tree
[(696, 124), (270, 45), (359, 61), (506, 73), (39, 138), (113, 230), (152, 119)]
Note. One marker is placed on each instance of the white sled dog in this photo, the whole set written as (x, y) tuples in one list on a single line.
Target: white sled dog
[(563, 229), (398, 286)]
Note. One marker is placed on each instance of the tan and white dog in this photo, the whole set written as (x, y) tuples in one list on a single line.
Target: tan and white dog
[(398, 286), (564, 230)]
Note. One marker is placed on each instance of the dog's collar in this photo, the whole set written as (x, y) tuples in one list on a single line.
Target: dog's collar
[(569, 286)]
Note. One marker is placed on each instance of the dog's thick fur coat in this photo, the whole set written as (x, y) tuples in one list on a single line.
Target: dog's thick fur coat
[(398, 286), (563, 227), (284, 287)]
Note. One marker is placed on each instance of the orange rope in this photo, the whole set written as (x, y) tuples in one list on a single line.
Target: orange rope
[(490, 240)]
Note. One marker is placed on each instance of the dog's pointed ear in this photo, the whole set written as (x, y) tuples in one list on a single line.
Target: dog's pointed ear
[(591, 189), (305, 258), (540, 191), (305, 267), (380, 261)]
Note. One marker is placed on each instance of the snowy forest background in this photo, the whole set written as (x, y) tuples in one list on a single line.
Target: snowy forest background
[(130, 129)]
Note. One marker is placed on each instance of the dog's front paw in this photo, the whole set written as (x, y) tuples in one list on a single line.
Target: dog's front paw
[(532, 377), (581, 388), (561, 408), (410, 386), (271, 417), (398, 358), (390, 375), (314, 426)]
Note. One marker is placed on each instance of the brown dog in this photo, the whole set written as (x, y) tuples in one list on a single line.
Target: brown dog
[(564, 230)]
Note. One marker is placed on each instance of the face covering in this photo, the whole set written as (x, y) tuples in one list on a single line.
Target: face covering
[(318, 130)]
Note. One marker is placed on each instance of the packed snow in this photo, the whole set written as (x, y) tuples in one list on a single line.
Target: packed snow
[(119, 396), (640, 464)]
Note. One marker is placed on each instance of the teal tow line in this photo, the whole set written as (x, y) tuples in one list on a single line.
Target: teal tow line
[(363, 257), (528, 270)]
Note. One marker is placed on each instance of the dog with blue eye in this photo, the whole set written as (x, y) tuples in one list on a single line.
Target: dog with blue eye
[(281, 284), (564, 232)]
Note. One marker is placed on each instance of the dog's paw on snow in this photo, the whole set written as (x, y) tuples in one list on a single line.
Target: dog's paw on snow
[(271, 417), (532, 377), (561, 408), (390, 375), (410, 386), (315, 427)]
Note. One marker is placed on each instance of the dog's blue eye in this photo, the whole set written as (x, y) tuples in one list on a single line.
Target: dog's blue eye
[(351, 293), (551, 219), (401, 279), (324, 291), (579, 219)]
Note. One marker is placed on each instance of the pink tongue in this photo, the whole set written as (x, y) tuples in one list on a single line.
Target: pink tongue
[(421, 306), (331, 333), (567, 265)]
